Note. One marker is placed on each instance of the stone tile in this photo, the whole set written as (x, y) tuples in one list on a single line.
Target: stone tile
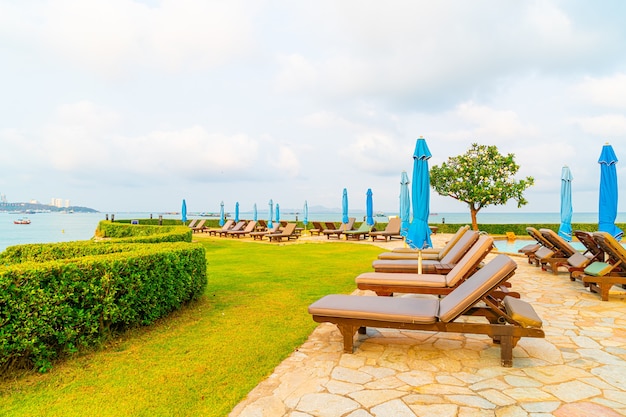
[(572, 391), (350, 375), (540, 406), (394, 408), (471, 401), (371, 398), (325, 405), (613, 375), (439, 410), (584, 410)]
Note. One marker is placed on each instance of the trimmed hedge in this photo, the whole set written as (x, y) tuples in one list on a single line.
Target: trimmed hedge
[(139, 233), (57, 298)]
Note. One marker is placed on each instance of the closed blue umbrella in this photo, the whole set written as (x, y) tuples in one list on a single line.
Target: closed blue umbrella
[(369, 208), (237, 212), (184, 212), (418, 236), (405, 204), (255, 215), (565, 229), (608, 193), (221, 222), (305, 221), (269, 221), (277, 213), (344, 206)]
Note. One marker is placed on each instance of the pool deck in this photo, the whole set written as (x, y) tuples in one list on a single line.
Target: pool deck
[(579, 369)]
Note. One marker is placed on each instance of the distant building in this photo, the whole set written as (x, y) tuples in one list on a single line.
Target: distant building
[(59, 202), (3, 199)]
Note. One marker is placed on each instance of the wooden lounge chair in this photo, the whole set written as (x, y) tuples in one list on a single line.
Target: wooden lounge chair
[(601, 276), (428, 253), (563, 251), (192, 223), (505, 321), (430, 266), (261, 225), (388, 283), (363, 231), (288, 232), (260, 234), (317, 228), (238, 226), (342, 228), (250, 227), (543, 251), (199, 227), (592, 249), (392, 231), (228, 225)]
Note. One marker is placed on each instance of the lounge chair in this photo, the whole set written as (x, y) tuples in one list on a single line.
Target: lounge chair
[(250, 227), (506, 321), (542, 251), (288, 232), (199, 227), (428, 253), (261, 225), (260, 234), (592, 249), (316, 229), (342, 228), (392, 231), (430, 266), (329, 227), (238, 226), (192, 223), (563, 251), (228, 225), (388, 283), (363, 231), (601, 276)]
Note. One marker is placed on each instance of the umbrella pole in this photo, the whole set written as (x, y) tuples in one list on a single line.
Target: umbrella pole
[(419, 261)]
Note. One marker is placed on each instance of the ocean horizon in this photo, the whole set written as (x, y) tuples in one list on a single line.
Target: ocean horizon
[(65, 227)]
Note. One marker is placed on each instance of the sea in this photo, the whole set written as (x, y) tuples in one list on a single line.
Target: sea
[(65, 227)]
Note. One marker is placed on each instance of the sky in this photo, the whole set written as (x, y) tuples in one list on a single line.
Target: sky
[(123, 105)]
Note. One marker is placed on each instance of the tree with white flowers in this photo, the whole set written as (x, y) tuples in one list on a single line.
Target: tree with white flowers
[(481, 177)]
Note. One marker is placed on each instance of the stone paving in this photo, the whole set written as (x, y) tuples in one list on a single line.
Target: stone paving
[(579, 369)]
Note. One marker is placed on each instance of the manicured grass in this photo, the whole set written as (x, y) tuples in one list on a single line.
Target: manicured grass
[(205, 358)]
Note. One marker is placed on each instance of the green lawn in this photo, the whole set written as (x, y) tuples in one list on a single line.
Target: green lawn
[(205, 358)]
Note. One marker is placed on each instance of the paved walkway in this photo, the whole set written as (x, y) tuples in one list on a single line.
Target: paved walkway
[(579, 369)]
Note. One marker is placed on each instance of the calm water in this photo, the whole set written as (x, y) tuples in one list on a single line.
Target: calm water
[(61, 227)]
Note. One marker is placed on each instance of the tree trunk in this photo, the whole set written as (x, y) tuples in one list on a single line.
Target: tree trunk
[(473, 213)]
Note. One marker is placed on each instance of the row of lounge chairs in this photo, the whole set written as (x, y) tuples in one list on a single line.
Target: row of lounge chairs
[(469, 288), (601, 266), (255, 229), (365, 231)]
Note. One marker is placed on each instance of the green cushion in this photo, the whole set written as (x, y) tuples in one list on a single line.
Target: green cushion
[(598, 269)]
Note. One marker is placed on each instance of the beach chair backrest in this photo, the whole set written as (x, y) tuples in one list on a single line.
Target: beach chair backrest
[(539, 237), (470, 291), (469, 262), (394, 225), (611, 246), (289, 229), (462, 246), (586, 238), (453, 241), (559, 243)]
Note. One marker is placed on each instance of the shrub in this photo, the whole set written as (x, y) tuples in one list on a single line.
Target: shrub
[(49, 308)]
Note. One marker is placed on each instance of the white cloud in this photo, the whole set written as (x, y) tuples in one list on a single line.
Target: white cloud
[(607, 126), (605, 91), (116, 37)]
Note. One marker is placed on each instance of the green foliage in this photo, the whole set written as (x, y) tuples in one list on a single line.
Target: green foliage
[(481, 177), (140, 233), (57, 298)]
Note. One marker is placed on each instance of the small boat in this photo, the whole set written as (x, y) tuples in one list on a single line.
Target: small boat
[(22, 221), (380, 214)]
